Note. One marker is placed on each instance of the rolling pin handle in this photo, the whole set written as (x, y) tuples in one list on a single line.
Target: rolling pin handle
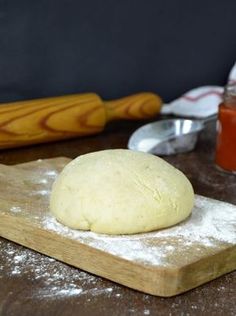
[(136, 107)]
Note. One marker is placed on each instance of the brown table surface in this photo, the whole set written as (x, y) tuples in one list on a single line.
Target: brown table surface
[(33, 284)]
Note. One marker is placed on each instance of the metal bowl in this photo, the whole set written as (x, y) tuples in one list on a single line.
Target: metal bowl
[(166, 137)]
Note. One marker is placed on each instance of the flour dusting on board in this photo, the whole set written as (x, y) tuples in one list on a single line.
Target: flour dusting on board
[(210, 228), (211, 225)]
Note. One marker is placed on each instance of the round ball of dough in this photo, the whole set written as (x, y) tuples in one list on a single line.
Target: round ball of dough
[(120, 192)]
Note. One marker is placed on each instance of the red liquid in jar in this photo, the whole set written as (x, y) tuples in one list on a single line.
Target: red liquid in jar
[(226, 137)]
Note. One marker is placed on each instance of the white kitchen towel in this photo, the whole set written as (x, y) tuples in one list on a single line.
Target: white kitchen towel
[(200, 102)]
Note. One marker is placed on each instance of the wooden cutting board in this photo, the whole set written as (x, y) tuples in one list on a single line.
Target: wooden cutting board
[(164, 263)]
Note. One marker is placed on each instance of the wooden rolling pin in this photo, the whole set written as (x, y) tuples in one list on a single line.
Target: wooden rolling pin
[(44, 120)]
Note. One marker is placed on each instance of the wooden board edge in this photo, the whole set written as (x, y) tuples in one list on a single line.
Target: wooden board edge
[(136, 276), (155, 281), (210, 268)]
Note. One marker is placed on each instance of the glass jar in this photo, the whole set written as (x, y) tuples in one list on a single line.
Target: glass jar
[(226, 131)]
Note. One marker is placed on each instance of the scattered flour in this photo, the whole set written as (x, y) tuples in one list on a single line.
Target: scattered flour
[(211, 225), (15, 209), (54, 279)]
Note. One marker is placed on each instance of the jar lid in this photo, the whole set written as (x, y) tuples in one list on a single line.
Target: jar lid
[(230, 90)]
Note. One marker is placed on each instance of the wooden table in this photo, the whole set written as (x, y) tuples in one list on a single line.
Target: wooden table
[(33, 284)]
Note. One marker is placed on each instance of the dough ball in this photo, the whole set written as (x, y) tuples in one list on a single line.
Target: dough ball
[(120, 192)]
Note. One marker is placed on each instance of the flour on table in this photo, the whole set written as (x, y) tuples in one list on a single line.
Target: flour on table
[(54, 279)]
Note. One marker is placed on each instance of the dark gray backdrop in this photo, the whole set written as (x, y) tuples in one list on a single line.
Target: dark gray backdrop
[(114, 47)]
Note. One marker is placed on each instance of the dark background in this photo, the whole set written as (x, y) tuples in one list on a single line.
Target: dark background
[(114, 47)]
